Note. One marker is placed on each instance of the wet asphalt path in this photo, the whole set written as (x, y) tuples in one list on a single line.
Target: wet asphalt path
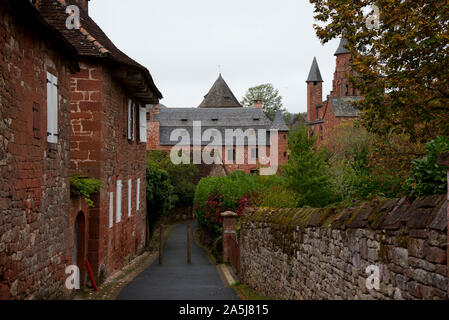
[(175, 279)]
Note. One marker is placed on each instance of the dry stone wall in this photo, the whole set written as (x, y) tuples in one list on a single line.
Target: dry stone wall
[(325, 253)]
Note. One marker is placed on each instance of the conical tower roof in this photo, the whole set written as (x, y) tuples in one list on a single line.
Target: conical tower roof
[(220, 96), (342, 49), (314, 74)]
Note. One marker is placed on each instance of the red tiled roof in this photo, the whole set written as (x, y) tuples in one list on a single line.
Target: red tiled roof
[(89, 40)]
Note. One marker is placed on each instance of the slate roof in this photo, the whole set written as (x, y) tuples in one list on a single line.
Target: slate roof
[(279, 123), (342, 106), (89, 40), (342, 47), (220, 96), (314, 74), (218, 119)]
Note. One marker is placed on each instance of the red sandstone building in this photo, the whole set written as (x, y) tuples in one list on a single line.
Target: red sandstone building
[(324, 116), (108, 140), (71, 103), (220, 111), (35, 226)]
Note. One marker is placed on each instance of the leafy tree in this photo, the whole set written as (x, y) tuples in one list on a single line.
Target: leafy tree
[(159, 194), (428, 177), (307, 172), (355, 175), (181, 177), (401, 63), (272, 101)]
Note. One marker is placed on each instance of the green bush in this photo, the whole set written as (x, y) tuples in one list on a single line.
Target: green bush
[(307, 172), (84, 187), (159, 194), (236, 192), (428, 177), (181, 177)]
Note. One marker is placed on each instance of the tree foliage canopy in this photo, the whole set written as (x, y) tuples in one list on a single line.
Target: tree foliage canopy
[(401, 63), (307, 172), (269, 96), (181, 177)]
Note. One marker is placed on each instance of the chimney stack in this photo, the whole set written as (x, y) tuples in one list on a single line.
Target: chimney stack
[(258, 104)]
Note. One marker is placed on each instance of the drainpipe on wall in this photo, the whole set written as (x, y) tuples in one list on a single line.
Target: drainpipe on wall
[(443, 160)]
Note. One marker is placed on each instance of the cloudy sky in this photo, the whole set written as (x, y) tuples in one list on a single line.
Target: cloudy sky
[(183, 43)]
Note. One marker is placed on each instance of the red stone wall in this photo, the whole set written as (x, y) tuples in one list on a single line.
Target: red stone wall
[(314, 98), (34, 175), (101, 150), (153, 135)]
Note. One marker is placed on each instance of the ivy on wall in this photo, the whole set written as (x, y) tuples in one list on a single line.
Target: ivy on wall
[(84, 187)]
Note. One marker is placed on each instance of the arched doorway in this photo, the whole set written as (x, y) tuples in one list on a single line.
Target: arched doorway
[(78, 248)]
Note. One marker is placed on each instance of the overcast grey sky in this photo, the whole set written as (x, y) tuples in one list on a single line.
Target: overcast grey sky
[(182, 43)]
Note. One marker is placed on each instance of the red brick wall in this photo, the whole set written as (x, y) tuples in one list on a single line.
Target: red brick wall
[(153, 135), (34, 175), (341, 84), (314, 98), (101, 150)]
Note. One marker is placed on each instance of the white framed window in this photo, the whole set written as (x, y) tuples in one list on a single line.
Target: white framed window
[(119, 201), (129, 197), (111, 209), (142, 124), (138, 196), (52, 108)]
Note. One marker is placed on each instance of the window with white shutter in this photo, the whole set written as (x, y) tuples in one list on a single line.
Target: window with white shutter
[(119, 201), (111, 209), (52, 108), (138, 196), (142, 124), (129, 114), (129, 197)]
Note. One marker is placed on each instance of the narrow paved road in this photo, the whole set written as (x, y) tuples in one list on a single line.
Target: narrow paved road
[(177, 280)]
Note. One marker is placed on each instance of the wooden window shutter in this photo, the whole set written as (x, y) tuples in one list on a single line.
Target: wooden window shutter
[(142, 124), (138, 196), (133, 122), (130, 192), (119, 201), (36, 121), (129, 130), (111, 209), (52, 108)]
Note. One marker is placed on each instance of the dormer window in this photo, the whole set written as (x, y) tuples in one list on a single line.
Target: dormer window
[(215, 119), (184, 120), (256, 119)]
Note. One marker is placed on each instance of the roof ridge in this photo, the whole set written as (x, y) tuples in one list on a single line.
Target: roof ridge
[(85, 33)]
